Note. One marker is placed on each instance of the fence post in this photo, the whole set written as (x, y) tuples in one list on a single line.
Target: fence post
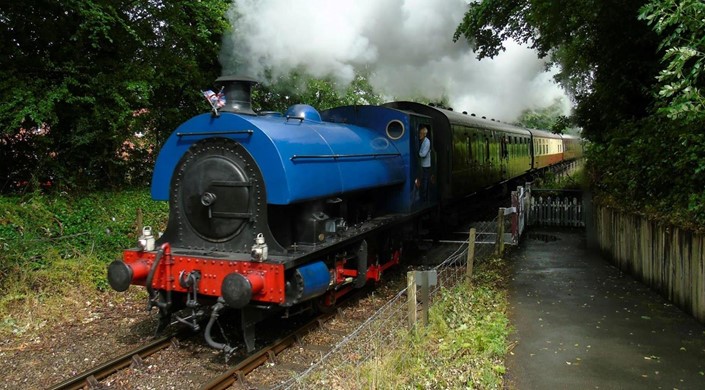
[(411, 296), (500, 232), (471, 255), (527, 189), (522, 210), (425, 298)]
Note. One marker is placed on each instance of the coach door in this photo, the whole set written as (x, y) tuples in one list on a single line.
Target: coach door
[(503, 156), (417, 123)]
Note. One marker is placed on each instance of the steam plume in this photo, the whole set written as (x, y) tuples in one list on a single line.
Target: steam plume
[(405, 45)]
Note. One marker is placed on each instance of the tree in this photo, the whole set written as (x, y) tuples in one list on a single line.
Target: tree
[(543, 118), (278, 93), (606, 55), (681, 25), (562, 125), (83, 76)]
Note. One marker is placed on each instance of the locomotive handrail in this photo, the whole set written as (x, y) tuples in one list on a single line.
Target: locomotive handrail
[(216, 133), (337, 156), (301, 118)]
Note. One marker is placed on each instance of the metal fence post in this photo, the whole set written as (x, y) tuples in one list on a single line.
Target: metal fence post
[(527, 189), (515, 217)]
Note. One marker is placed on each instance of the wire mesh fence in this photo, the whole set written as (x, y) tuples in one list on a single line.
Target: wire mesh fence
[(370, 344)]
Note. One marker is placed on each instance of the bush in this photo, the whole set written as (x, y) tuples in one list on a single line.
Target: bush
[(51, 244), (654, 166)]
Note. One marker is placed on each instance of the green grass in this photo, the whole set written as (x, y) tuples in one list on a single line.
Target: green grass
[(55, 249), (465, 342), (463, 346)]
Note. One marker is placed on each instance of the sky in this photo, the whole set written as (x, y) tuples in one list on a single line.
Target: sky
[(406, 46)]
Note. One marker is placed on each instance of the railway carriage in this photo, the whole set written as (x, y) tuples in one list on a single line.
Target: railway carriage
[(547, 150), (572, 147)]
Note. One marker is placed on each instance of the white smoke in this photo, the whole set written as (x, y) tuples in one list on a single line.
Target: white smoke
[(405, 45)]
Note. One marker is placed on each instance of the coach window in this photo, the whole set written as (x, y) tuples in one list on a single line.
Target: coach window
[(487, 148), (468, 146), (503, 150), (395, 129)]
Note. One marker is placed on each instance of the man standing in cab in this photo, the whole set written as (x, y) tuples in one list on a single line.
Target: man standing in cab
[(425, 157)]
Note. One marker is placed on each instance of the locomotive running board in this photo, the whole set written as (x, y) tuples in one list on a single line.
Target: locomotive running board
[(362, 232)]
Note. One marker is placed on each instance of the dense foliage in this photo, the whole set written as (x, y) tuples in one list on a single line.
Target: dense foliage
[(79, 78), (278, 93), (681, 25), (547, 118), (35, 227), (635, 71), (56, 246)]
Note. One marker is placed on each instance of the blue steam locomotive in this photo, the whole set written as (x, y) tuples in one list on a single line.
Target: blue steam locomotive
[(274, 213)]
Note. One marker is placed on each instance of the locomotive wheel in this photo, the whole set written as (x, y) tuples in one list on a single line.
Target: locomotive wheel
[(326, 303)]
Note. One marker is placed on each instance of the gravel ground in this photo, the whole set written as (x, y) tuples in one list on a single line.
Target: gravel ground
[(113, 323), (100, 330), (188, 366)]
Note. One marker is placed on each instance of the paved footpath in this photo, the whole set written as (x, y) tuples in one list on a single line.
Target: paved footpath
[(582, 324)]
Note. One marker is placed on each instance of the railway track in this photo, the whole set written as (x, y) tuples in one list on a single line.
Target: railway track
[(92, 376)]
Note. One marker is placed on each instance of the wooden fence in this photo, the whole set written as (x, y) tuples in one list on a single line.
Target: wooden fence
[(667, 259), (555, 208)]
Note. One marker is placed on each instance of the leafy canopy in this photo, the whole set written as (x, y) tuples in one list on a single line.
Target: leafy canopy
[(80, 77), (547, 118), (681, 25), (277, 93)]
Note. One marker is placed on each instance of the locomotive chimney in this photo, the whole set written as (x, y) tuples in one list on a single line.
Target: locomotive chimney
[(237, 91)]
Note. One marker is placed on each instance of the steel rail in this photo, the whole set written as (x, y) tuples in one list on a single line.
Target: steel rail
[(110, 367)]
